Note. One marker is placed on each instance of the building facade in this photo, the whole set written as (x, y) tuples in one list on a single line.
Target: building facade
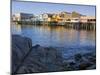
[(88, 19), (73, 17), (22, 17)]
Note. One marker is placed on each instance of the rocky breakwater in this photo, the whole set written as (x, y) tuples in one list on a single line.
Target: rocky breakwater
[(80, 61), (37, 59), (33, 59)]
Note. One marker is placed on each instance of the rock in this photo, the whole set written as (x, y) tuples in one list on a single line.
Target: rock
[(47, 56), (36, 46), (92, 67), (80, 62), (37, 59), (69, 66), (41, 59), (78, 57), (91, 57), (84, 65), (20, 47), (32, 59), (85, 61)]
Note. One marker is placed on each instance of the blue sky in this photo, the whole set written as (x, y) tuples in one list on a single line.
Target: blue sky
[(40, 8)]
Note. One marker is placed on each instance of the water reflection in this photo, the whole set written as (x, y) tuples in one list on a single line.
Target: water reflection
[(16, 29), (56, 36)]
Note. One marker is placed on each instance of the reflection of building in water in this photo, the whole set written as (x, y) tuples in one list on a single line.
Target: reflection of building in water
[(72, 34), (16, 29), (83, 37), (87, 37)]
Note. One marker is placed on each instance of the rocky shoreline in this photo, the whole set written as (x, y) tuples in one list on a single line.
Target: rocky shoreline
[(37, 59)]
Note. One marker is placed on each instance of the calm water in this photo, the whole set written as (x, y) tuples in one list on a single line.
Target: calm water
[(58, 36)]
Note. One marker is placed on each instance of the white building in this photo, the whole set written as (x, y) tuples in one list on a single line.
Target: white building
[(75, 20), (87, 19), (46, 17)]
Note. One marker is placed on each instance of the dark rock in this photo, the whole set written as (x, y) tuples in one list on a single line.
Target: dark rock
[(28, 59), (35, 59), (48, 56), (91, 57), (84, 65), (20, 47), (85, 61), (78, 57), (41, 59), (36, 46), (92, 67), (70, 66), (72, 63)]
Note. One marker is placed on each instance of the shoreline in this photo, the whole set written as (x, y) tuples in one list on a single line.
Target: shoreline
[(35, 59)]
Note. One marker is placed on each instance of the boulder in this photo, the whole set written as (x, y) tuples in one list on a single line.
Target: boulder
[(47, 54), (32, 59), (20, 47), (43, 59), (78, 57)]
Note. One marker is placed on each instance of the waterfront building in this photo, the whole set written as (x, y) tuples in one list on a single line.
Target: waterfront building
[(75, 20), (40, 17), (60, 18), (22, 17), (87, 19), (69, 17), (65, 15), (46, 17)]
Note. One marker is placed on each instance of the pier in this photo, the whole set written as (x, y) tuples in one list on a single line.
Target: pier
[(69, 20), (74, 25)]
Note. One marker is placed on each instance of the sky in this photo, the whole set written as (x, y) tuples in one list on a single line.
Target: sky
[(37, 8)]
